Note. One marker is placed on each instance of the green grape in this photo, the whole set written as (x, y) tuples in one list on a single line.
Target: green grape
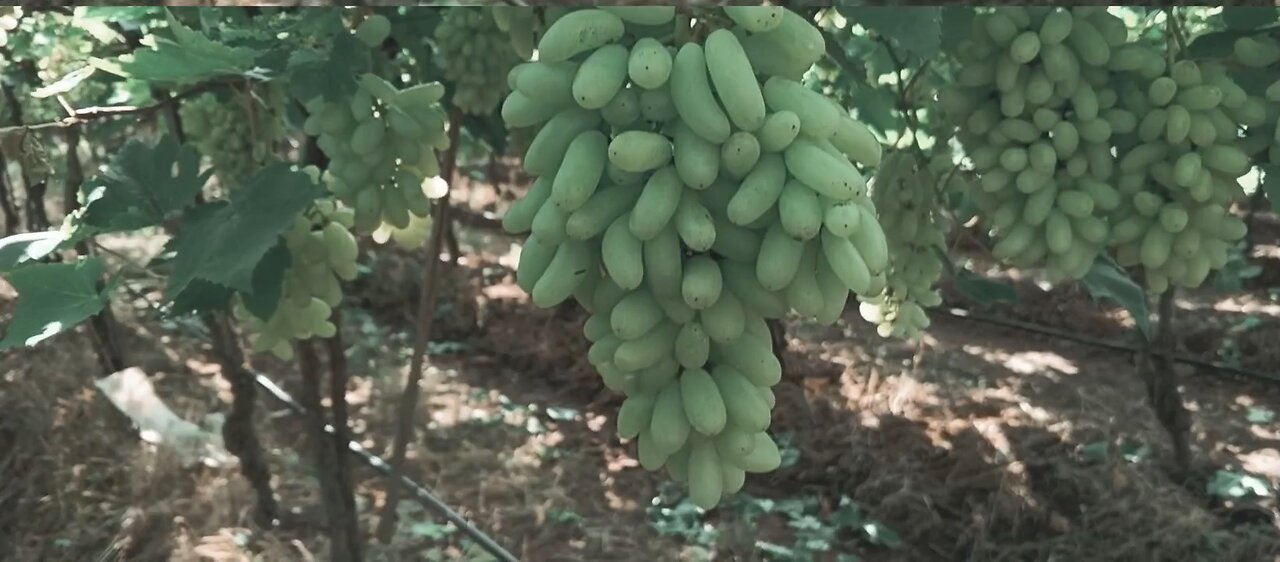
[(904, 196), (323, 252), (1173, 222), (682, 199), (476, 56), (239, 134), (1029, 105), (381, 143)]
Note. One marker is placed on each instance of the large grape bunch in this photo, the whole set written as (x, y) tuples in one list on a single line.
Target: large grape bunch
[(684, 196), (904, 192), (1178, 171), (1261, 54), (238, 133), (322, 252), (1036, 112), (476, 57), (381, 143)]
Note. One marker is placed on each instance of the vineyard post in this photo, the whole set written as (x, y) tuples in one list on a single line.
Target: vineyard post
[(342, 524), (12, 224), (425, 320)]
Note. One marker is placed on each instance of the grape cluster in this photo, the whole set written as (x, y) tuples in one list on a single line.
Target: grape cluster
[(381, 142), (521, 26), (322, 251), (1262, 54), (683, 196), (238, 134), (903, 192), (476, 57), (1036, 111), (1178, 171)]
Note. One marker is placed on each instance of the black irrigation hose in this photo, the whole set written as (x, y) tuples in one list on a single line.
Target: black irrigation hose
[(1112, 345), (420, 493)]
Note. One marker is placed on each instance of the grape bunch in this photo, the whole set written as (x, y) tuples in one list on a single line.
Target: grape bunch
[(1178, 172), (684, 196), (238, 134), (903, 192), (476, 56), (322, 252), (521, 26), (1262, 54), (1036, 111), (381, 142)]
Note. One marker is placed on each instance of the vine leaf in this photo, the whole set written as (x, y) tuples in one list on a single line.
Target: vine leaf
[(1248, 17), (28, 246), (186, 57), (53, 298), (957, 25), (1106, 280), (331, 75), (142, 186), (223, 242), (268, 286), (918, 30), (1271, 185), (982, 290)]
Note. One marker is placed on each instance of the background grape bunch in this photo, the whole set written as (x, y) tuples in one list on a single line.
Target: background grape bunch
[(476, 56)]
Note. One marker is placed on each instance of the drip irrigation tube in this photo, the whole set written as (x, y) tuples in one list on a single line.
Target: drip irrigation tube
[(1112, 345)]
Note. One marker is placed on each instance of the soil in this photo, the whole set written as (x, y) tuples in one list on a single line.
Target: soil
[(979, 443)]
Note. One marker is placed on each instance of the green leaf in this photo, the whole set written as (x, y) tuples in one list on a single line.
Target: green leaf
[(1248, 17), (66, 83), (1234, 485), (1271, 185), (223, 242), (331, 75), (268, 281), (957, 25), (28, 246), (916, 29), (188, 57), (1260, 416), (53, 298), (1106, 280), (982, 290), (142, 185), (202, 296)]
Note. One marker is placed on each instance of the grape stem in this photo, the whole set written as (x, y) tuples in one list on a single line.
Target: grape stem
[(87, 114), (425, 320)]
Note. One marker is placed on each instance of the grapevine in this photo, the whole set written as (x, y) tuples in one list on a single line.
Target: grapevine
[(682, 197), (476, 57)]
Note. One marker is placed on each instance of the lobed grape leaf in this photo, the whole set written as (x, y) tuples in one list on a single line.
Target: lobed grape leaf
[(1248, 17), (187, 57), (982, 290), (223, 242), (331, 75), (957, 25), (918, 29), (53, 298), (1106, 280), (1270, 184), (142, 186), (28, 246)]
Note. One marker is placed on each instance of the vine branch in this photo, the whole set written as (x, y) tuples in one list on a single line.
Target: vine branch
[(85, 115), (426, 318)]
